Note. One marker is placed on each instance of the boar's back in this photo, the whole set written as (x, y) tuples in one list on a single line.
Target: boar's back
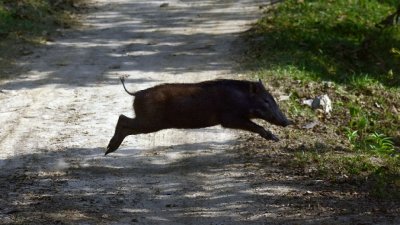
[(193, 105)]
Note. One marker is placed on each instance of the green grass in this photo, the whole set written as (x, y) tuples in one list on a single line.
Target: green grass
[(299, 45), (24, 23), (33, 17), (334, 40), (377, 175)]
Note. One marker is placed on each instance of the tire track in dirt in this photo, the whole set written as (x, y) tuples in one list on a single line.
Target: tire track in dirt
[(17, 130)]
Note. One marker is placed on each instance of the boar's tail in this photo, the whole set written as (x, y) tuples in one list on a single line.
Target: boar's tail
[(123, 84)]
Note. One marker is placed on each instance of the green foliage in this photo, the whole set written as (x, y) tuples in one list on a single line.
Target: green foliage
[(380, 144), (332, 40), (352, 136), (22, 16), (299, 44), (27, 22), (32, 17), (379, 176), (361, 139)]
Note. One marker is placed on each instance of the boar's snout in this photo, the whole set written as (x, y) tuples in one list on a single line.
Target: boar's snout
[(280, 119), (284, 123), (288, 123)]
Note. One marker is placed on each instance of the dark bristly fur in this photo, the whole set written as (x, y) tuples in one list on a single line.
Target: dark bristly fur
[(230, 103)]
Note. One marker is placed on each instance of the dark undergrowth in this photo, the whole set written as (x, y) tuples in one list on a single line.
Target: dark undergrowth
[(26, 23)]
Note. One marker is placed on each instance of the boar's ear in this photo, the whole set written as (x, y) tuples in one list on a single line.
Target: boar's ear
[(255, 88)]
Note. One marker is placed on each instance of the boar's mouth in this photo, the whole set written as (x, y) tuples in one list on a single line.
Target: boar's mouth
[(288, 123), (283, 122)]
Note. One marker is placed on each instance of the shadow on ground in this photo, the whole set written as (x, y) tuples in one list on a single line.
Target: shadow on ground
[(137, 186), (138, 36)]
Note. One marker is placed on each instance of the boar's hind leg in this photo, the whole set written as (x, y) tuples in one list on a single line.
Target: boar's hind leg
[(248, 125), (127, 126)]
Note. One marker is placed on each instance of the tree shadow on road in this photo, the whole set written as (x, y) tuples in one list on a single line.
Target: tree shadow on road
[(139, 37), (80, 185)]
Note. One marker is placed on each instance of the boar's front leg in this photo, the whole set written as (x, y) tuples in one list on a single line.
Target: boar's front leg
[(248, 125), (127, 126)]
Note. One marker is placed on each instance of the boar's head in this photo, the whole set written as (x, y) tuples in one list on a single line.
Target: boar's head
[(265, 107)]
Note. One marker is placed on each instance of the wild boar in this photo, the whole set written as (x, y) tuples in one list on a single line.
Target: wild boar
[(229, 103)]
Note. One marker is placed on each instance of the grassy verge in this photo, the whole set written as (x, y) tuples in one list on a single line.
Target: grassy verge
[(25, 23), (311, 48)]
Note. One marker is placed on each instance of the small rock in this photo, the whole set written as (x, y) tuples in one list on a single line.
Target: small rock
[(115, 66), (46, 117), (49, 39), (316, 103), (25, 52), (284, 97), (163, 5), (328, 84), (308, 193), (307, 102), (311, 125), (310, 170), (323, 102), (378, 162), (320, 102), (151, 43), (394, 110)]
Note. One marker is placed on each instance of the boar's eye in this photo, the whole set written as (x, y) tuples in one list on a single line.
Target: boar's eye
[(267, 101)]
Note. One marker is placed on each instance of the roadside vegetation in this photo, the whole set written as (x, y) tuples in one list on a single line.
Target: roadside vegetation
[(347, 50), (26, 23)]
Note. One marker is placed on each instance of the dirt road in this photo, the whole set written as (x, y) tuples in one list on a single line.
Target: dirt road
[(58, 117)]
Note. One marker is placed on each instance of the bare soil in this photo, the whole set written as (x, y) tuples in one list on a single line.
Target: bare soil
[(57, 118)]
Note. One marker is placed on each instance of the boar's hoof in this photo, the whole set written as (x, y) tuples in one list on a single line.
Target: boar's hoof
[(109, 150), (290, 122), (274, 138), (112, 146)]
